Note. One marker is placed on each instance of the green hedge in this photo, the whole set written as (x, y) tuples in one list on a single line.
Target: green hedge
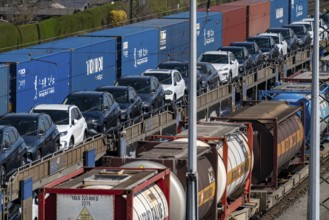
[(48, 28), (29, 34), (9, 37)]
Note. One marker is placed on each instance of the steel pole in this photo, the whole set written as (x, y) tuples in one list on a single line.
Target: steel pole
[(314, 179), (191, 175)]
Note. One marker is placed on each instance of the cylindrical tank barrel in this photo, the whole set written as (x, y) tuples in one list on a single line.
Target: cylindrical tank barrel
[(290, 134)]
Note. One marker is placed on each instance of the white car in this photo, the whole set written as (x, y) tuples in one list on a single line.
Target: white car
[(69, 121), (224, 62), (171, 81), (280, 42), (309, 25)]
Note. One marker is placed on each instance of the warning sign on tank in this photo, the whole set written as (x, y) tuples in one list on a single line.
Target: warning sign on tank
[(85, 207)]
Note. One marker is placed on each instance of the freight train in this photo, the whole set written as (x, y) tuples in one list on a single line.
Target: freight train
[(48, 72)]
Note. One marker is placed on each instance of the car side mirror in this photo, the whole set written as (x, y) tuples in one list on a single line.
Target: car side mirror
[(153, 91), (41, 133), (132, 100), (74, 121), (106, 108), (5, 147), (232, 61)]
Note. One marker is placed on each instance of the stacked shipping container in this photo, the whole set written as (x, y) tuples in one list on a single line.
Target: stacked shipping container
[(4, 89), (208, 30), (233, 22), (137, 48), (37, 76), (92, 60)]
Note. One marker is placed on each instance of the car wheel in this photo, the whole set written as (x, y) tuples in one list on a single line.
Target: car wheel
[(71, 142), (3, 175), (38, 156)]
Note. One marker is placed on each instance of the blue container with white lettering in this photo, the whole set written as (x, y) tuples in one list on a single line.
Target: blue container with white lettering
[(279, 13), (208, 30), (4, 89), (36, 77), (137, 48), (92, 60), (298, 10), (173, 41)]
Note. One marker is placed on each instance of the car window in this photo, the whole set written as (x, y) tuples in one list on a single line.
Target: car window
[(153, 84), (12, 136), (231, 56), (6, 140), (214, 58), (177, 77), (46, 122), (60, 117), (41, 125), (76, 113), (133, 92), (163, 78), (107, 101), (73, 113)]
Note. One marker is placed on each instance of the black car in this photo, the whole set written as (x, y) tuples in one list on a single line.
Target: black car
[(183, 68), (301, 31), (289, 36), (38, 131), (242, 55), (13, 151), (100, 110), (149, 89), (130, 103), (267, 45), (253, 49), (209, 75)]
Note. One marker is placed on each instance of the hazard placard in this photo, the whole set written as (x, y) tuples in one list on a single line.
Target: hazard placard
[(84, 207)]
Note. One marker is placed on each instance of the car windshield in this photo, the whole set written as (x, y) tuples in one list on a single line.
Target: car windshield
[(299, 30), (119, 95), (214, 58), (141, 86), (85, 103), (162, 77), (262, 42), (284, 32), (308, 27), (238, 53), (24, 126), (59, 117), (276, 39), (250, 48), (183, 69)]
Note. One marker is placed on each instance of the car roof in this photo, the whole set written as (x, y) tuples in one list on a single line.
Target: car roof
[(174, 62), (113, 88), (90, 93), (136, 77), (300, 22), (217, 52), (22, 115), (277, 28), (231, 47), (53, 107), (269, 34), (163, 71)]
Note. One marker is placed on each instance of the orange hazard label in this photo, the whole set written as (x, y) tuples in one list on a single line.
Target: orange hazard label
[(85, 215)]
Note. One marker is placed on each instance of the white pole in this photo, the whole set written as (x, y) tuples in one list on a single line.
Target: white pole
[(191, 175), (314, 179)]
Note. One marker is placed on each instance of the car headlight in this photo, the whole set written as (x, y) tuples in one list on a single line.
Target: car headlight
[(63, 133), (92, 121), (168, 92)]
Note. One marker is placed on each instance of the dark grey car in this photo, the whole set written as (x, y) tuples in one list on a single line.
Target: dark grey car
[(242, 55), (100, 110), (304, 38), (253, 49), (13, 151), (130, 103), (38, 131), (149, 89), (268, 46), (289, 36), (209, 76)]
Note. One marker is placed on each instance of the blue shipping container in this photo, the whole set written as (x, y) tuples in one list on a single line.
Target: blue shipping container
[(279, 13), (208, 30), (173, 37), (137, 48), (4, 88), (92, 62), (37, 77), (298, 10)]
